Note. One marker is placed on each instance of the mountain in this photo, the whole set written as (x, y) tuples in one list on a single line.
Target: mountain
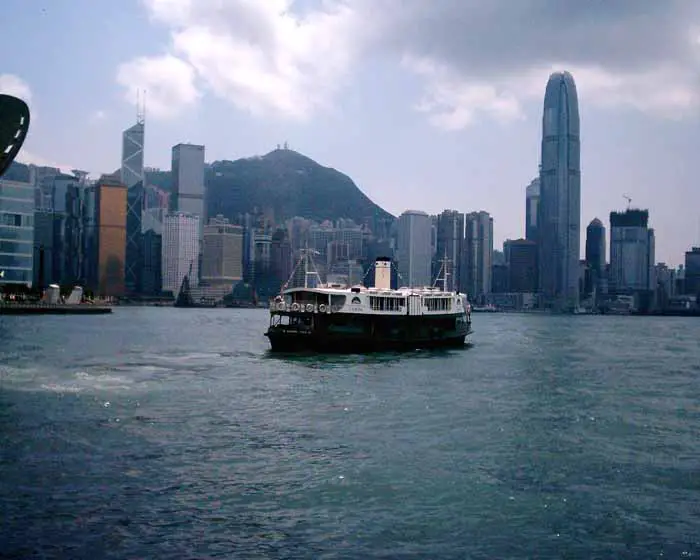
[(289, 184), (285, 182)]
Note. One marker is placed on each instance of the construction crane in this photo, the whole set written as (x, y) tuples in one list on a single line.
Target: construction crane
[(628, 199)]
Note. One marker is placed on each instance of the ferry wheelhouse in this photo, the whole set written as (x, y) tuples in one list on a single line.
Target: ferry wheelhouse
[(337, 318)]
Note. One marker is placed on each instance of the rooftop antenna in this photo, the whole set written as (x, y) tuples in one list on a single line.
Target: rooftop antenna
[(140, 107), (628, 199)]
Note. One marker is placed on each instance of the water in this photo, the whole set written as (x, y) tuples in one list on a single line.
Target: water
[(173, 433)]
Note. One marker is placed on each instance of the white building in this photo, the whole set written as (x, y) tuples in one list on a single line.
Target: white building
[(180, 250), (414, 249), (222, 253)]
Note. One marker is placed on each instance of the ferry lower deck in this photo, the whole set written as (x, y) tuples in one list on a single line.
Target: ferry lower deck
[(347, 332)]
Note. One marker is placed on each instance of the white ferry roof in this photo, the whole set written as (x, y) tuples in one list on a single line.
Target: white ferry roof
[(401, 292)]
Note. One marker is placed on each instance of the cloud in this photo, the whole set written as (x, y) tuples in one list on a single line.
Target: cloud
[(260, 56), (487, 58), (167, 80), (453, 103), (16, 86), (30, 158), (476, 58)]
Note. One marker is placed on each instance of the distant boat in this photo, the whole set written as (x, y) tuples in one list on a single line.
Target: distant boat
[(184, 296), (484, 308)]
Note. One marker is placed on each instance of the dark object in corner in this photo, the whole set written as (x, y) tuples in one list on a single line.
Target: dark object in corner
[(14, 124)]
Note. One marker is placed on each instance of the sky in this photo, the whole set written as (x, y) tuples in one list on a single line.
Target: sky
[(425, 104)]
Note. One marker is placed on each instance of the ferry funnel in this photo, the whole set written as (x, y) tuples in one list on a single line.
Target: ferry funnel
[(382, 273)]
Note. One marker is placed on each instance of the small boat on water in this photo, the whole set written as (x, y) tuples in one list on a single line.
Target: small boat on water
[(336, 318), (489, 308)]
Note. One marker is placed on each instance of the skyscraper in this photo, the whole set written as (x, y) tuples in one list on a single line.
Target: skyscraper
[(532, 204), (478, 255), (692, 272), (222, 253), (110, 237), (595, 254), (521, 258), (132, 176), (559, 213), (188, 181), (632, 247), (414, 253), (449, 241), (180, 251), (16, 232)]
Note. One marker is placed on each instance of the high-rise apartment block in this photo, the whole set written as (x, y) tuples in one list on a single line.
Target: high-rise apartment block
[(477, 259), (449, 247)]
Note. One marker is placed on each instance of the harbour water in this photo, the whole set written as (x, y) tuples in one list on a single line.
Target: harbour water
[(174, 433)]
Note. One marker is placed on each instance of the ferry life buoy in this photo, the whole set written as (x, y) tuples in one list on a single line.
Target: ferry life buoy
[(322, 308), (295, 307), (281, 306), (310, 307)]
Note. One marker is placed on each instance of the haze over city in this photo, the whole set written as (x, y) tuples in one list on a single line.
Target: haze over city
[(424, 106)]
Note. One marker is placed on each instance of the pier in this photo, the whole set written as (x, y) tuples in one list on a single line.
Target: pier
[(39, 308)]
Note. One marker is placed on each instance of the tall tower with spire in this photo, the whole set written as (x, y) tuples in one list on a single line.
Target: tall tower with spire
[(559, 213), (132, 175)]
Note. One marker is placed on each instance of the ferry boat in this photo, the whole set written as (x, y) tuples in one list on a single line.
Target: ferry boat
[(337, 318)]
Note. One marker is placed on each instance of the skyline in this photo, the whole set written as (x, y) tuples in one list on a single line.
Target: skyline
[(472, 144)]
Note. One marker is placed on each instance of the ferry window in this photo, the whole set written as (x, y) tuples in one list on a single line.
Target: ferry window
[(337, 300), (438, 304), (381, 303)]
